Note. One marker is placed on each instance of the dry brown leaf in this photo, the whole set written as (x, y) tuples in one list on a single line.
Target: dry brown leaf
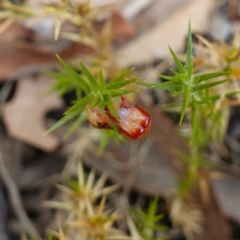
[(120, 26), (155, 12), (16, 53), (24, 114), (154, 42), (15, 31)]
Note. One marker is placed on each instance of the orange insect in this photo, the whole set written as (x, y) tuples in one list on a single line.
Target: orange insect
[(132, 121)]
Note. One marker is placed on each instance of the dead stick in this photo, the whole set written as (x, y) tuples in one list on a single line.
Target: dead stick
[(15, 199), (10, 184)]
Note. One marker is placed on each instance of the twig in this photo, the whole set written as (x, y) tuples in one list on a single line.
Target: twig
[(15, 199), (8, 181), (3, 230)]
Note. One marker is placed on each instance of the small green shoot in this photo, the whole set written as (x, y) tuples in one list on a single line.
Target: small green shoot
[(148, 223), (89, 90), (184, 83)]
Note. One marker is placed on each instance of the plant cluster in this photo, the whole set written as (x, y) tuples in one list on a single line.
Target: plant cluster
[(202, 86), (87, 215), (93, 96), (82, 15), (198, 94), (148, 223), (85, 212)]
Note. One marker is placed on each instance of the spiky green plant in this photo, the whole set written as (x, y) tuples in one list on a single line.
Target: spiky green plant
[(85, 218), (148, 223), (81, 14), (89, 90), (197, 96)]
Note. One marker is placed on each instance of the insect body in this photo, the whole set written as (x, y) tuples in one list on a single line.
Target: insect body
[(98, 118), (133, 121)]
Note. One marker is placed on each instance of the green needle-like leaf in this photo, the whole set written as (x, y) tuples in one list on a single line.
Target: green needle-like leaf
[(81, 118), (147, 84), (208, 85), (59, 76), (101, 81), (122, 76), (194, 121), (170, 78), (178, 62), (96, 101), (171, 86), (148, 223), (74, 75), (50, 237), (106, 136), (183, 156), (172, 105), (90, 77), (120, 84), (153, 208), (116, 93), (180, 76), (84, 85), (232, 94), (79, 105), (62, 85), (207, 76), (208, 99), (62, 121), (111, 108), (186, 98), (189, 61), (105, 95)]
